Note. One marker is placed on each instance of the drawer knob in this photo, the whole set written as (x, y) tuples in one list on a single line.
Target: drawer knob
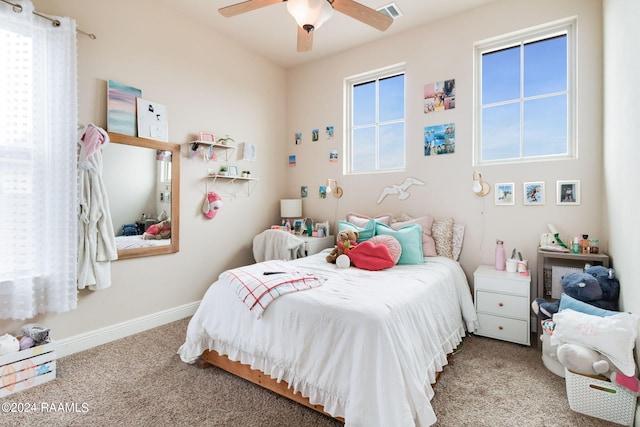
[(500, 304), (500, 328)]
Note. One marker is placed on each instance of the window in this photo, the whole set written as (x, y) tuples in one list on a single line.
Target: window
[(38, 166), (375, 121), (525, 96)]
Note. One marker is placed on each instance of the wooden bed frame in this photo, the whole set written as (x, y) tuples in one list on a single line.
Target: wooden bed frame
[(212, 358)]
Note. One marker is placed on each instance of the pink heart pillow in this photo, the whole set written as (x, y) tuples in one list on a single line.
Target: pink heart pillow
[(370, 256)]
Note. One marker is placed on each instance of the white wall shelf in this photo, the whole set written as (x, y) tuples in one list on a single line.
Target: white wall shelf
[(225, 149), (234, 186)]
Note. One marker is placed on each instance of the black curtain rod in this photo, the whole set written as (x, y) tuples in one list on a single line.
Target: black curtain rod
[(18, 8)]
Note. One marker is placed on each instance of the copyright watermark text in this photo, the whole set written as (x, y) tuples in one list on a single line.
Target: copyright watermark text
[(44, 407)]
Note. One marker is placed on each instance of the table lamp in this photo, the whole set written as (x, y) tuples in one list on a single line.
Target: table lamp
[(290, 208)]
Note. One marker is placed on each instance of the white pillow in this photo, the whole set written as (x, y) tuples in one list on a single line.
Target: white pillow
[(614, 336)]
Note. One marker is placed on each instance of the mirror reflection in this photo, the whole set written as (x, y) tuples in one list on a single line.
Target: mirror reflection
[(142, 180)]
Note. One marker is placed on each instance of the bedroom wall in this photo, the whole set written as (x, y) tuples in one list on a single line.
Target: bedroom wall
[(621, 148), (439, 51), (176, 62)]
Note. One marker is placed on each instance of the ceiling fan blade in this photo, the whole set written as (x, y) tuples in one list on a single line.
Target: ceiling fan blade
[(246, 6), (305, 40), (363, 13)]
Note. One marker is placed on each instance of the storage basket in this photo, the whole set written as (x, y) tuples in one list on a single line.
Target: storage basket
[(27, 368), (600, 398)]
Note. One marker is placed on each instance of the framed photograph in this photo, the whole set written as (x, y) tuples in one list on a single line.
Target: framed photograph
[(207, 137), (298, 227), (533, 193), (505, 194), (568, 192), (232, 170)]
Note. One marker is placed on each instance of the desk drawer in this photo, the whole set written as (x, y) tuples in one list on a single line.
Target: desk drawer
[(502, 305), (503, 328)]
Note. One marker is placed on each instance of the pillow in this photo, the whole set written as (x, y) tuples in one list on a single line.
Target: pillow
[(426, 222), (458, 236), (365, 232), (568, 302), (614, 336), (410, 238), (361, 220), (442, 232), (395, 250), (371, 256)]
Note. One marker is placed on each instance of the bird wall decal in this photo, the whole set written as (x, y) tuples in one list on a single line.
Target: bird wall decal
[(400, 189)]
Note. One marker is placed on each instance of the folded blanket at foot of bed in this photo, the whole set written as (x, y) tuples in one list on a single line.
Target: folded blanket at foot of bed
[(257, 285)]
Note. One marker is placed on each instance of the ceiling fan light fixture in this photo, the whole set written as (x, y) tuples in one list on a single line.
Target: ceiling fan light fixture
[(309, 13)]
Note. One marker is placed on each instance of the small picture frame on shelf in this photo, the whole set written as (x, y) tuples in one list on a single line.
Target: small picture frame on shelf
[(297, 227), (207, 137), (232, 171), (568, 192)]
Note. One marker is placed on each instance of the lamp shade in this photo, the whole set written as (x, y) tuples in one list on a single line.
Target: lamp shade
[(291, 208), (309, 12)]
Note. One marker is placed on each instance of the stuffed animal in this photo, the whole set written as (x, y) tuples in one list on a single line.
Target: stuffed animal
[(39, 333), (582, 360), (595, 285), (8, 344), (346, 240), (161, 230)]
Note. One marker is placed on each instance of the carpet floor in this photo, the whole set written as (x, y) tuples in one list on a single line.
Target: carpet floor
[(141, 381)]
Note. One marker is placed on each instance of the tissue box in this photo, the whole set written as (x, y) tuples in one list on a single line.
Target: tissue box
[(600, 398), (27, 368)]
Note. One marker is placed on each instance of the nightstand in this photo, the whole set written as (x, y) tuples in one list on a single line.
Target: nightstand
[(313, 245), (502, 303)]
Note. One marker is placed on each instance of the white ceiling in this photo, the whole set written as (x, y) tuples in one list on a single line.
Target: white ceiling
[(272, 32)]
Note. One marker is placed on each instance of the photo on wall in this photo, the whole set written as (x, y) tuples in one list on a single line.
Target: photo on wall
[(534, 193), (440, 139), (440, 96), (152, 120)]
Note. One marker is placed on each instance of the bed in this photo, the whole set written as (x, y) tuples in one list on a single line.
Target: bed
[(136, 241), (365, 346)]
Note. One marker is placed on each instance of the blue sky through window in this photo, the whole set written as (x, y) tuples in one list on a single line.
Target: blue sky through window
[(525, 100), (378, 125)]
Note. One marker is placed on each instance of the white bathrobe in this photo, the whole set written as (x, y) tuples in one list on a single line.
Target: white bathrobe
[(96, 237)]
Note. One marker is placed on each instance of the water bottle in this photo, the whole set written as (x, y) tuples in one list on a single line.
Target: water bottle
[(500, 258)]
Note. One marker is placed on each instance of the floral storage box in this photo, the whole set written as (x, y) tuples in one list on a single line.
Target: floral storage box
[(27, 368), (600, 398)]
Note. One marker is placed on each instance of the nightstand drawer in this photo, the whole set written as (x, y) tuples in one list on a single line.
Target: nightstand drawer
[(503, 328), (510, 283), (502, 304)]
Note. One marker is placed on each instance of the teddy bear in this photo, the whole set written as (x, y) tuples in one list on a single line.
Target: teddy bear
[(596, 285), (346, 240)]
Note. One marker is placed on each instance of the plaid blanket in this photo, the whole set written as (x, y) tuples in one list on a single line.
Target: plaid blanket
[(257, 285)]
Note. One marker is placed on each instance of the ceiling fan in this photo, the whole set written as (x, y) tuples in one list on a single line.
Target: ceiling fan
[(311, 14)]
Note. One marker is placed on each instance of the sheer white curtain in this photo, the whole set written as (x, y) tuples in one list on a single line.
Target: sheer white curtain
[(38, 172)]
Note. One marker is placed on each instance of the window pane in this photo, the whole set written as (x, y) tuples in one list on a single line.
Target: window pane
[(501, 75), (545, 66), (501, 132), (391, 147), (364, 104), (364, 149), (391, 98), (545, 126)]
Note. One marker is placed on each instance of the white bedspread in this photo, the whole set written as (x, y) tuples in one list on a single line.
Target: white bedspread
[(366, 345), (135, 242)]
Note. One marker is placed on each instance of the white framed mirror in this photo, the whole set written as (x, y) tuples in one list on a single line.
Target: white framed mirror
[(142, 179)]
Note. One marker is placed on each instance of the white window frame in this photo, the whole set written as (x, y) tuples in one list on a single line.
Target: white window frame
[(349, 83), (566, 27)]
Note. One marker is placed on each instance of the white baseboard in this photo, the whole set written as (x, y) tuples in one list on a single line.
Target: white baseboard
[(87, 340)]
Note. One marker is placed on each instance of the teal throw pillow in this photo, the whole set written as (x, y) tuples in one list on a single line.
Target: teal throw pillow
[(364, 233), (410, 238), (567, 302)]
